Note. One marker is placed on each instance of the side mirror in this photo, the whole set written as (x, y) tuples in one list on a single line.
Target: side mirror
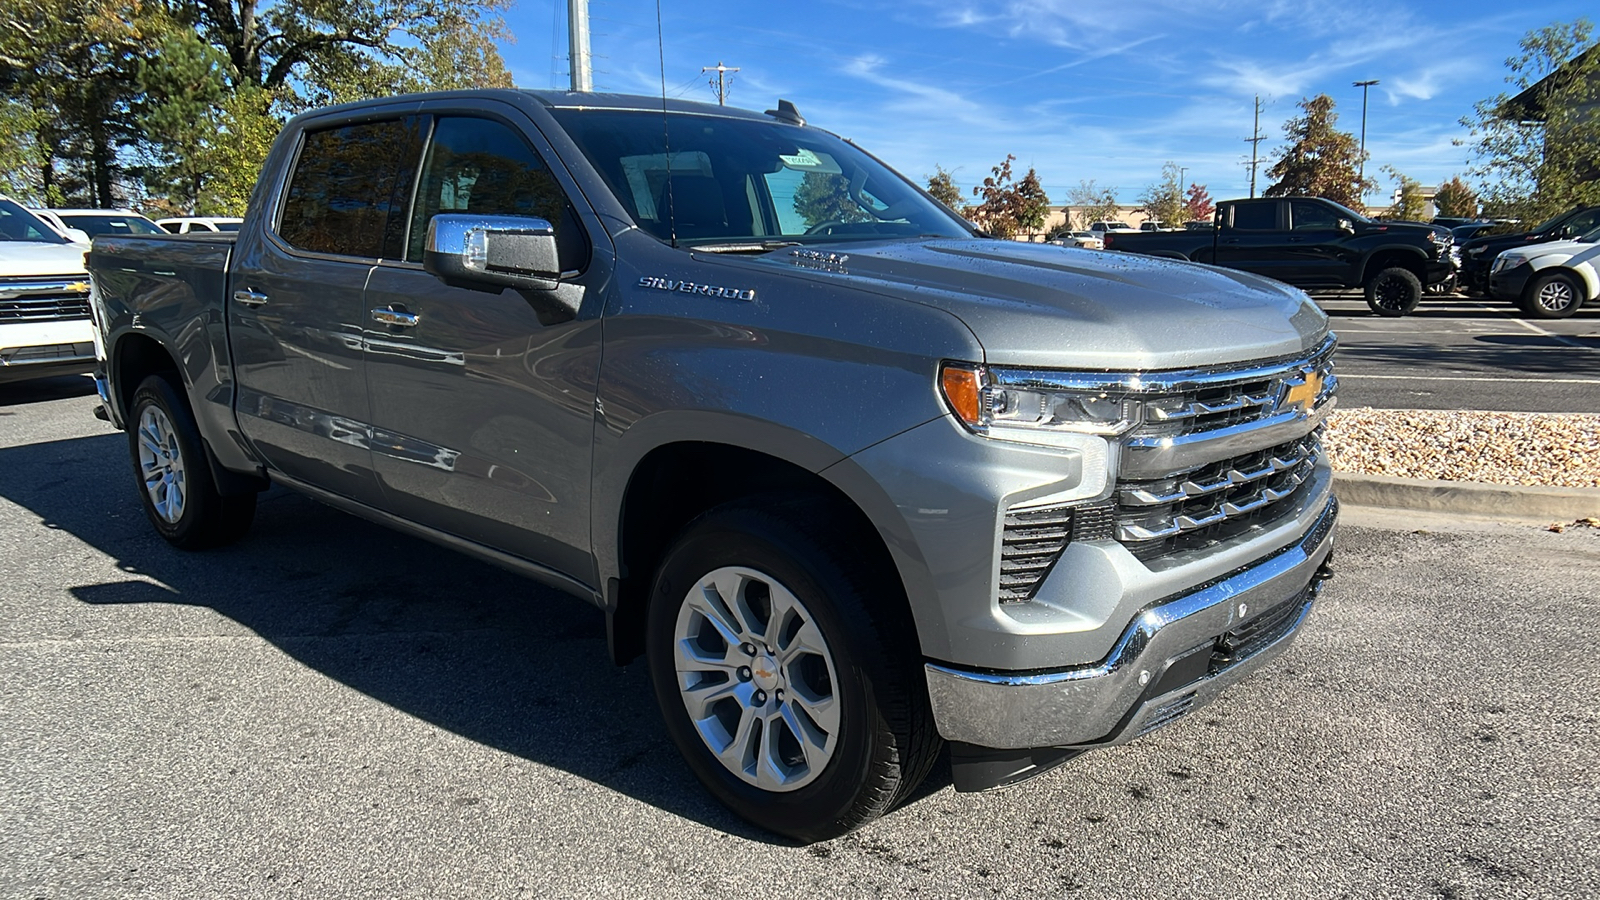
[(491, 253), (1347, 226)]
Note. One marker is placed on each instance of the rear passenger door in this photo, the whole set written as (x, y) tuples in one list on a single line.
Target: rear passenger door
[(1251, 237), (295, 313), (483, 408)]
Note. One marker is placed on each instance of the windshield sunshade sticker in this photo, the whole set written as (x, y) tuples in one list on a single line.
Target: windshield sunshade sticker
[(690, 287)]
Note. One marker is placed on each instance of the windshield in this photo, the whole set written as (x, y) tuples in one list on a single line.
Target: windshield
[(17, 224), (1590, 237), (94, 225), (743, 181), (1349, 213)]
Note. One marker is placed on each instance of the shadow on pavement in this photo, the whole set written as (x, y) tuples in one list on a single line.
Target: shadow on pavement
[(462, 645), (17, 393), (1487, 354)]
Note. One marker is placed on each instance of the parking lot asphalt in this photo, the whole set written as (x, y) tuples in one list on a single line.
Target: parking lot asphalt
[(1456, 352), (332, 710)]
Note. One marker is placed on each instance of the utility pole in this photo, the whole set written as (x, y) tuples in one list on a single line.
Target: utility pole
[(1254, 140), (1362, 178), (578, 45), (720, 84)]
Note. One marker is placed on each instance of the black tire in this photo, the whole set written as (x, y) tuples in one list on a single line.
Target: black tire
[(885, 740), (1394, 291), (201, 517), (1553, 296)]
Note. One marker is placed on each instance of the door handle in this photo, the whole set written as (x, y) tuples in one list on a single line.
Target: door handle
[(398, 317), (1296, 240), (250, 298), (1231, 241)]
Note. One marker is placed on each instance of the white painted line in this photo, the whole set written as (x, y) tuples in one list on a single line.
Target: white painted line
[(1560, 338), (1345, 376)]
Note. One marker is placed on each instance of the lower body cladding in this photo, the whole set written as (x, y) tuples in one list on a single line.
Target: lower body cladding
[(1175, 656)]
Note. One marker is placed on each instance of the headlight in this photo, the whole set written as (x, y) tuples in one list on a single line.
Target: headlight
[(1502, 263), (1476, 251), (1036, 407)]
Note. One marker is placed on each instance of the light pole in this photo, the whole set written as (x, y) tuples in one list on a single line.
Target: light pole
[(1362, 178)]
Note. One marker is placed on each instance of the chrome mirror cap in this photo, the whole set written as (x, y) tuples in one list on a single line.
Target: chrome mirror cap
[(492, 252)]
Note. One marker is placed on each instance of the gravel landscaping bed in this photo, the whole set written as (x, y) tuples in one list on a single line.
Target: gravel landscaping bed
[(1555, 449)]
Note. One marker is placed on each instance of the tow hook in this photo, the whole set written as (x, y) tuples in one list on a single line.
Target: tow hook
[(1325, 571)]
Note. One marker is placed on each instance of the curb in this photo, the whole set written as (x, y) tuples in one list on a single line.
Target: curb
[(1467, 498)]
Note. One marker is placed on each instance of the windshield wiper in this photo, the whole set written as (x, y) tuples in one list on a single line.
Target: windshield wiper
[(743, 246)]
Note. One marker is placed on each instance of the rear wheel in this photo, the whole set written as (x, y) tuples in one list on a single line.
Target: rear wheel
[(1553, 296), (175, 485), (1394, 291), (786, 671)]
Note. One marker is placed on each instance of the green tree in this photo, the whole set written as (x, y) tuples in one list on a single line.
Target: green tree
[(1320, 160), (942, 186), (1538, 151), (1198, 204), (1163, 201), (1031, 204), (1455, 200), (822, 197), (1095, 204), (1409, 204)]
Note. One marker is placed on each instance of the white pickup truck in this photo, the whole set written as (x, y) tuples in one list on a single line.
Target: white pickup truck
[(45, 327)]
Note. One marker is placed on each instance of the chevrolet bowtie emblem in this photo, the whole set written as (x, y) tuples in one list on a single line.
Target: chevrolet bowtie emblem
[(1304, 394)]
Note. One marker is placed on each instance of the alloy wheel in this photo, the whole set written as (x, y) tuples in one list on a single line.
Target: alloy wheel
[(161, 464), (757, 678)]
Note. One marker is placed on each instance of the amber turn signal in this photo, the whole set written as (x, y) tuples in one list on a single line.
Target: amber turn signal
[(963, 392)]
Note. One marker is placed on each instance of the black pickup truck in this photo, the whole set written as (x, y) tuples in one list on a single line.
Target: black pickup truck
[(1477, 255), (1312, 243)]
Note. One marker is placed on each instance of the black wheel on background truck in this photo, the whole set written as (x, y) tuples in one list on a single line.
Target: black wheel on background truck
[(1394, 291), (790, 684), (175, 484), (1553, 296)]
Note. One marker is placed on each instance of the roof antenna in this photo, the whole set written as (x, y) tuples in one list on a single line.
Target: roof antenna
[(785, 113), (666, 138)]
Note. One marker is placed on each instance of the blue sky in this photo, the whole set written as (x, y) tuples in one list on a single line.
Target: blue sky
[(1079, 89)]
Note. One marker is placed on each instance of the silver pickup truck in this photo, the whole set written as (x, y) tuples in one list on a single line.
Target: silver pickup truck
[(862, 485)]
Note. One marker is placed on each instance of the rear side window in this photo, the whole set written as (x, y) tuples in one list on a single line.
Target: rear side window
[(483, 167), (348, 193), (1255, 216)]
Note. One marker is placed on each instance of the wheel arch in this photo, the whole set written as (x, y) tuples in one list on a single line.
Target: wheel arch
[(134, 357), (1409, 258), (675, 481)]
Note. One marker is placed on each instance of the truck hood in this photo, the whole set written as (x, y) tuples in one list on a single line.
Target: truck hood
[(1045, 306), (25, 258)]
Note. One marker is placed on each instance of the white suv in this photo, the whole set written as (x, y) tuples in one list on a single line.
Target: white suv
[(45, 327), (1549, 281)]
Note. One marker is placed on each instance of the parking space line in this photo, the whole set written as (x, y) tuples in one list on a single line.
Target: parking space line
[(1559, 338)]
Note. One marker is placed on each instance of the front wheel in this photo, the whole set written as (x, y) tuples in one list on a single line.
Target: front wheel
[(1553, 296), (786, 672), (1394, 292), (179, 495)]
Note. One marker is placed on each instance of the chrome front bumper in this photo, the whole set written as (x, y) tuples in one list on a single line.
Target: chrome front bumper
[(1175, 657)]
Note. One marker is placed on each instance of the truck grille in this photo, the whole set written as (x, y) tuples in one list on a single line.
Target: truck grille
[(1216, 502), (1194, 404), (44, 299)]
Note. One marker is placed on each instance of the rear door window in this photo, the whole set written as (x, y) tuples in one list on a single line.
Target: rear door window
[(484, 167), (348, 193), (1255, 216)]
